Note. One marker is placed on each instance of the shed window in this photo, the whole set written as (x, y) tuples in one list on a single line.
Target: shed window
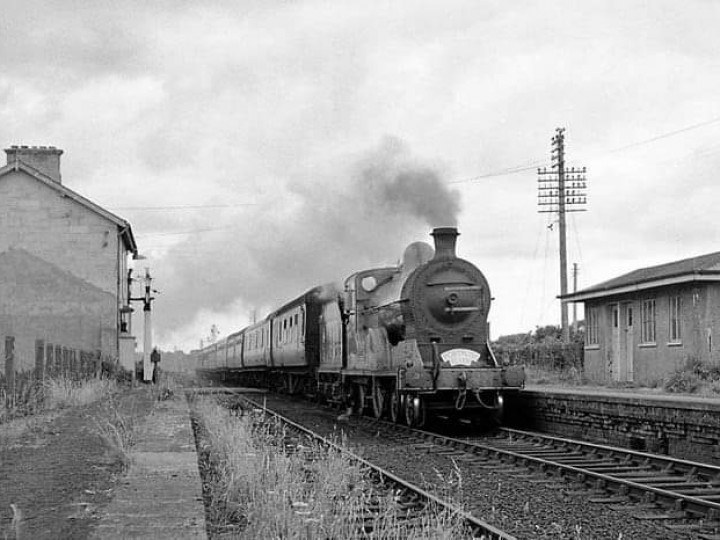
[(675, 333), (647, 334), (592, 326)]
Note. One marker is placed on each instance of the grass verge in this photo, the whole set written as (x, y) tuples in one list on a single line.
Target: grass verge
[(256, 487)]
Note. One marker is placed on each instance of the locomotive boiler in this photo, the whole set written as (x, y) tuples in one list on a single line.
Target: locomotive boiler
[(404, 341)]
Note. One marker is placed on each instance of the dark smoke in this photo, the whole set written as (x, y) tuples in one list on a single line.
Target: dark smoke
[(316, 231), (396, 182)]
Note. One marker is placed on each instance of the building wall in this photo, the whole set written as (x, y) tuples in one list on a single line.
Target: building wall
[(71, 239), (699, 324), (40, 220)]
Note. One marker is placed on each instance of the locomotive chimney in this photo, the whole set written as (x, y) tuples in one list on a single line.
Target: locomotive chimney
[(445, 240)]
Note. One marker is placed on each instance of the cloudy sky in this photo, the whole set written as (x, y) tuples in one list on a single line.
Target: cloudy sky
[(261, 147)]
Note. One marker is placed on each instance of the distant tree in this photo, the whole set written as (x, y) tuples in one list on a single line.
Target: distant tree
[(547, 333)]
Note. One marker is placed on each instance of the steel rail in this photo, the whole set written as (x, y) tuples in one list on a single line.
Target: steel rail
[(712, 472), (678, 500), (474, 523)]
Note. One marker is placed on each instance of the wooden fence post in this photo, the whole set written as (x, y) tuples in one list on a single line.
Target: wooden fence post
[(10, 371), (58, 361), (39, 360), (98, 363), (49, 368)]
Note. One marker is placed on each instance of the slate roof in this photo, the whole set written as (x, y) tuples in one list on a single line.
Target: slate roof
[(700, 268), (124, 226)]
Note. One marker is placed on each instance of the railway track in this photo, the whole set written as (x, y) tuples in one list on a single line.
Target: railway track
[(537, 486), (411, 498), (663, 488)]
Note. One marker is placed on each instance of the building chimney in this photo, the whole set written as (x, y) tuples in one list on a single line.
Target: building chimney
[(45, 159), (445, 239)]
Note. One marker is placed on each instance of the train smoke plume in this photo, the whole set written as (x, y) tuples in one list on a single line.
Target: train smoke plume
[(322, 227), (398, 183)]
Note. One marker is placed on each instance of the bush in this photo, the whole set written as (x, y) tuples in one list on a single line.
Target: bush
[(694, 376)]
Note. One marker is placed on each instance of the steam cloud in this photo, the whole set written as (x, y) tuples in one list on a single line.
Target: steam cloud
[(334, 228)]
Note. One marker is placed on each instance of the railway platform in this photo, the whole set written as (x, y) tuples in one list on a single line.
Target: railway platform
[(682, 426), (161, 495)]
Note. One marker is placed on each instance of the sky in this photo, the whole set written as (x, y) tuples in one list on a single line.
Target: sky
[(259, 148)]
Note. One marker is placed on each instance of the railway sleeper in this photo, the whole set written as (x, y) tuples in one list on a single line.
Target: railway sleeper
[(618, 470), (682, 484), (647, 479), (707, 526)]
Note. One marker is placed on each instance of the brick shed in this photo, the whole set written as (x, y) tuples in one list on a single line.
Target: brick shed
[(642, 325), (63, 261)]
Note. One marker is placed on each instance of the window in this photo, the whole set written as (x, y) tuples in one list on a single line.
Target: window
[(592, 326), (675, 335), (615, 316), (647, 333)]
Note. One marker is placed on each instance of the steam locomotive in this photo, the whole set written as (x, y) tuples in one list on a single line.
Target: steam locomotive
[(402, 342)]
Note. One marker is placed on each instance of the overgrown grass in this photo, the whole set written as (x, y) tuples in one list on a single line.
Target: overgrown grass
[(117, 430), (33, 396), (260, 489), (63, 392), (48, 397), (694, 377)]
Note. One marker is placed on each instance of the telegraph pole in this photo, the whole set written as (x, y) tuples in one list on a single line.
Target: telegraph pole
[(561, 190)]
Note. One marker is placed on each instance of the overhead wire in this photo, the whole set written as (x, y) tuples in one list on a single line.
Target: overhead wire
[(183, 207), (534, 164), (526, 166)]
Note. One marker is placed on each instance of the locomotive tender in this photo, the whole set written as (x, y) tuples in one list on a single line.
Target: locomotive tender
[(403, 341)]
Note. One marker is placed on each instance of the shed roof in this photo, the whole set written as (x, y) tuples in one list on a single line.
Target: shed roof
[(124, 226), (700, 268)]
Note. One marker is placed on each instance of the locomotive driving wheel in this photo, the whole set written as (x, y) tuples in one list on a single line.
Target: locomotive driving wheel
[(379, 398), (415, 411)]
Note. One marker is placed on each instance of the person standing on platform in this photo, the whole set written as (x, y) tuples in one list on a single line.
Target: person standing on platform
[(155, 359)]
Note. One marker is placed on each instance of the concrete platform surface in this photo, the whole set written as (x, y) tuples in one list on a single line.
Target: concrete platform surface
[(161, 496)]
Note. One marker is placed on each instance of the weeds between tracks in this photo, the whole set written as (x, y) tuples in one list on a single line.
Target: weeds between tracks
[(257, 487)]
